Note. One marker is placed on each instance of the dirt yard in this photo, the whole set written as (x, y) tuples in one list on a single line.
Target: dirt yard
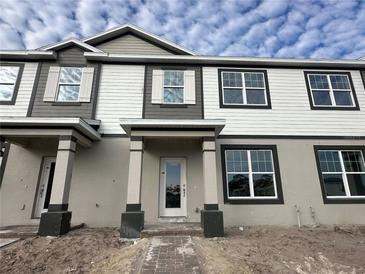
[(266, 249), (259, 249), (80, 251)]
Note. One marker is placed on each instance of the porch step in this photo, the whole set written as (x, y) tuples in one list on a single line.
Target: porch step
[(19, 231), (172, 229)]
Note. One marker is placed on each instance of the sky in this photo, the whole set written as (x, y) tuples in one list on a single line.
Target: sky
[(272, 28)]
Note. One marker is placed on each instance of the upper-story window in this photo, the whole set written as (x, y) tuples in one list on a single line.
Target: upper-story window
[(331, 90), (244, 88), (173, 87), (69, 84), (9, 78), (342, 173)]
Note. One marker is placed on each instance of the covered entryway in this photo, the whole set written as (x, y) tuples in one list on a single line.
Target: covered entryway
[(172, 174), (59, 139)]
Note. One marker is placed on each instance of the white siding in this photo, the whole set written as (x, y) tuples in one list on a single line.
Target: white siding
[(290, 114), (24, 93), (120, 96)]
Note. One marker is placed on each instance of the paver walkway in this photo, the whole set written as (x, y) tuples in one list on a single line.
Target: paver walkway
[(171, 254)]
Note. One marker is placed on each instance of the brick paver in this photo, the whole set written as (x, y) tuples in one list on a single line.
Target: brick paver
[(171, 254)]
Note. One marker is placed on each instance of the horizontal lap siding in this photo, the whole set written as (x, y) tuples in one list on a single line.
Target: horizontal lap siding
[(290, 113), (130, 44), (120, 96), (70, 56), (154, 111), (24, 93)]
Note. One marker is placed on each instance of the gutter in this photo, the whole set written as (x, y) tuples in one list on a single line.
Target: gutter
[(223, 60), (27, 55)]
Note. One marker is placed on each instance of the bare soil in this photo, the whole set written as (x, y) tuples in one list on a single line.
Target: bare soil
[(80, 251), (259, 249), (268, 249)]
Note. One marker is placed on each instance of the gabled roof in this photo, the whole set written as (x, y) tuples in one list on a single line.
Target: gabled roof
[(128, 28), (68, 42)]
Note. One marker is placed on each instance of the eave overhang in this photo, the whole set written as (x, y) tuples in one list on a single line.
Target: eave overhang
[(38, 125), (224, 61), (167, 125), (33, 55)]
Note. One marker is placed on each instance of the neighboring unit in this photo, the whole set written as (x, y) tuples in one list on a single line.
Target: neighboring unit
[(126, 128)]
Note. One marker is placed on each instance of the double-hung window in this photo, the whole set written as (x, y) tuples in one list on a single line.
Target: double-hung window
[(342, 173), (173, 87), (243, 88), (330, 90), (250, 173), (9, 76), (69, 84)]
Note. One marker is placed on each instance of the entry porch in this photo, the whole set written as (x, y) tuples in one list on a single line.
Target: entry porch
[(172, 175)]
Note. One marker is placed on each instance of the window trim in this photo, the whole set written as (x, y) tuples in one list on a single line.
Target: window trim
[(16, 84), (163, 88), (355, 105), (253, 200), (338, 199), (252, 106), (59, 84)]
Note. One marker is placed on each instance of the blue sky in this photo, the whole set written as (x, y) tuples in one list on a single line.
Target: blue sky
[(301, 28)]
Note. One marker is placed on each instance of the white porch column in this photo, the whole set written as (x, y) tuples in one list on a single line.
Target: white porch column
[(63, 172), (211, 216), (57, 220), (135, 172), (210, 172), (132, 221)]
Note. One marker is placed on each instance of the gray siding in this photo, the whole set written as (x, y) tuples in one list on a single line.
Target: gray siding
[(156, 111), (130, 44), (68, 56)]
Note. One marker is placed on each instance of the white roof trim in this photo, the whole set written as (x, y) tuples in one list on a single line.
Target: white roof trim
[(133, 28), (216, 124), (27, 54), (77, 123), (222, 60), (71, 41)]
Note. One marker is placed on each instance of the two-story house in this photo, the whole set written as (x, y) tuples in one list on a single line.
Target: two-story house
[(125, 128)]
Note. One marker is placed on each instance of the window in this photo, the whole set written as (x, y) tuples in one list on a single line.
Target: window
[(250, 174), (9, 76), (69, 84), (330, 90), (173, 87), (243, 88), (342, 173)]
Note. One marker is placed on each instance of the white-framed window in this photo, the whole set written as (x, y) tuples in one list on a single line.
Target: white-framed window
[(244, 88), (343, 173), (173, 87), (330, 90), (250, 174), (8, 79), (69, 84)]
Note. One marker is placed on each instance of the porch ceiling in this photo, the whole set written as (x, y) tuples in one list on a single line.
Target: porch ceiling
[(172, 127), (27, 127)]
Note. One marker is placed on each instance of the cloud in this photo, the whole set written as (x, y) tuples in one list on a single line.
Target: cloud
[(281, 28)]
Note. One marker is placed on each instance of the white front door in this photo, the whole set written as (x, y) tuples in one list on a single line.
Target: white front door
[(173, 187), (45, 186)]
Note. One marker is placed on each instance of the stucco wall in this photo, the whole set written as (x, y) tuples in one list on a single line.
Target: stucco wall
[(301, 186), (100, 176)]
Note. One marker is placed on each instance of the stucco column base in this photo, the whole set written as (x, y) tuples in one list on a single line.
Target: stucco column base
[(132, 223), (55, 223), (212, 223)]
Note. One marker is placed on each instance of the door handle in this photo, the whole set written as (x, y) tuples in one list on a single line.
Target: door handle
[(42, 190)]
